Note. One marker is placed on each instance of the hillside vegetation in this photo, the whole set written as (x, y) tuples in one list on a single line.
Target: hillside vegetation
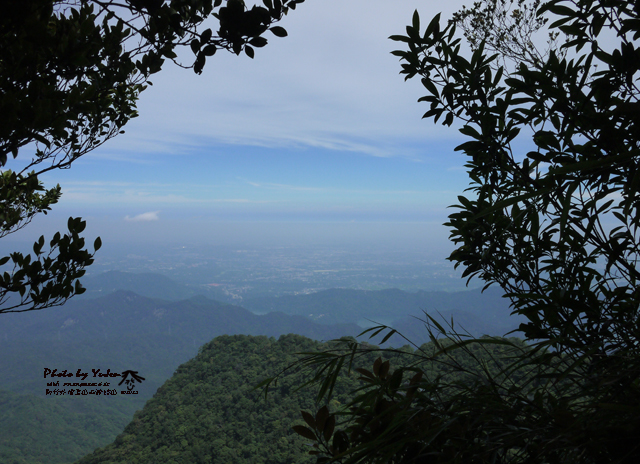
[(58, 429), (121, 331), (124, 330), (210, 412)]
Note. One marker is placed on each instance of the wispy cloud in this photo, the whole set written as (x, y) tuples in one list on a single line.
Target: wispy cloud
[(299, 188), (338, 92), (254, 184), (144, 217), (271, 185)]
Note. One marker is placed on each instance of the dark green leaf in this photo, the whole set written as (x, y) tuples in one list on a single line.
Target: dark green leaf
[(305, 432), (278, 31)]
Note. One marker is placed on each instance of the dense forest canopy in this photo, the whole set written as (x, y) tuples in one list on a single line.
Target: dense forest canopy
[(211, 412)]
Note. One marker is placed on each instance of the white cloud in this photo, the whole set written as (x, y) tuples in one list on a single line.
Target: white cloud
[(144, 217), (332, 84)]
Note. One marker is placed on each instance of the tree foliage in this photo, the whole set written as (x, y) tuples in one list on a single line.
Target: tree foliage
[(552, 218), (209, 411), (71, 73)]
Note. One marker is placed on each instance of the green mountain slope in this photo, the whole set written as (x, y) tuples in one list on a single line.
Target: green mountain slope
[(210, 413), (55, 430), (122, 331)]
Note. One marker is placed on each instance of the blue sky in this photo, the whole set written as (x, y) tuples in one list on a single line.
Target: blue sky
[(318, 128)]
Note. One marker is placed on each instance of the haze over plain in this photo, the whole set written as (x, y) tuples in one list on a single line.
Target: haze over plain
[(318, 140)]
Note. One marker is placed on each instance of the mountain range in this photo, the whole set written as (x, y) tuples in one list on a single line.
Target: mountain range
[(121, 330)]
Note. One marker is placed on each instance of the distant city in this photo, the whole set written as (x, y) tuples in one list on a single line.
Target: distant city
[(233, 274)]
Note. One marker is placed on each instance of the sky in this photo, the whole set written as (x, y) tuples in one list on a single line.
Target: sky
[(319, 131)]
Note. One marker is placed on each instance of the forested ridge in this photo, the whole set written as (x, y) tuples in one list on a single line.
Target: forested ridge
[(211, 412), (127, 331), (57, 429), (119, 331)]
